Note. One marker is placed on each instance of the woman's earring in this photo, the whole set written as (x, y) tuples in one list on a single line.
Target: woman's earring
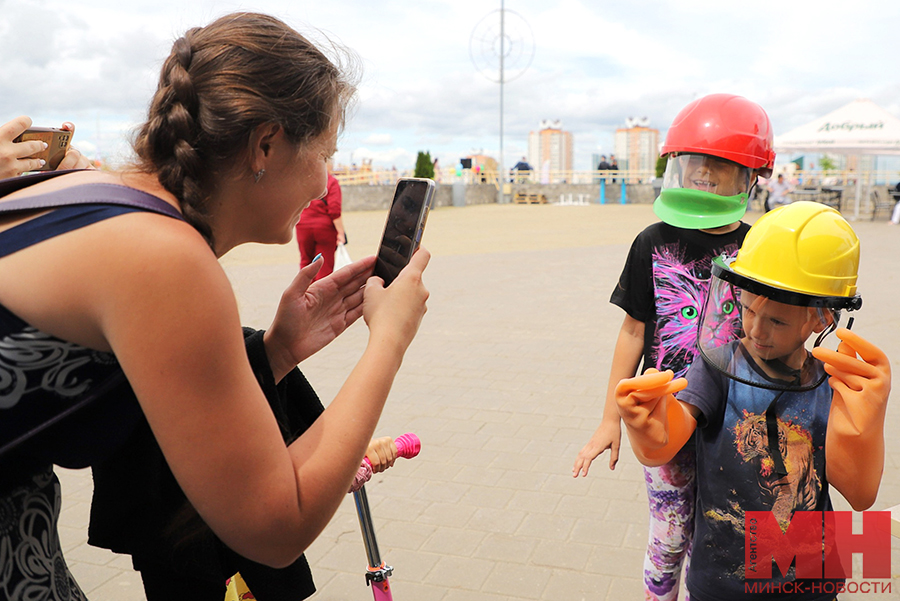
[(258, 175)]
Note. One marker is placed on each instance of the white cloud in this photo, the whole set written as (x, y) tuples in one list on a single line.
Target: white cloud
[(379, 140), (95, 63), (400, 158)]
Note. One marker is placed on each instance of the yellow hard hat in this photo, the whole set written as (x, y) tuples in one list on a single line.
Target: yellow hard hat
[(804, 247), (803, 254)]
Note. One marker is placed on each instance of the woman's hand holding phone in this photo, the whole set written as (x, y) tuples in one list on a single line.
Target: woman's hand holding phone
[(313, 313), (394, 313)]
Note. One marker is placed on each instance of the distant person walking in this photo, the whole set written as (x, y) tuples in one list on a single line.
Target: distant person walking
[(321, 228), (613, 164)]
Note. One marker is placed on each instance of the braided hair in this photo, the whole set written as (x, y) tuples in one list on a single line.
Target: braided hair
[(217, 85)]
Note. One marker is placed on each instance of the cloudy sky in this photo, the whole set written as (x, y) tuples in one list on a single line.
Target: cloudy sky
[(427, 65)]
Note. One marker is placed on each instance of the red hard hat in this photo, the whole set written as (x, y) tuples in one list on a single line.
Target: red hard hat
[(725, 126)]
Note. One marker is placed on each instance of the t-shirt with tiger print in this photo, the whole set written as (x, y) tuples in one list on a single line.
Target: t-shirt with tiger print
[(664, 283), (735, 472)]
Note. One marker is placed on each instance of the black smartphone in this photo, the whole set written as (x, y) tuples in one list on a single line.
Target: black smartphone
[(57, 140), (403, 228)]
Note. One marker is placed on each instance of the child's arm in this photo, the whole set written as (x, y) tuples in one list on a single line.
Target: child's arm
[(854, 442), (658, 424), (626, 357)]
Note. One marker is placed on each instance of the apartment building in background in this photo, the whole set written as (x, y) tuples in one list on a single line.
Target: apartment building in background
[(550, 148), (637, 145)]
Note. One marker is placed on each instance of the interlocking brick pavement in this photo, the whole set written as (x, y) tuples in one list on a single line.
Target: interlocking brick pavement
[(503, 384)]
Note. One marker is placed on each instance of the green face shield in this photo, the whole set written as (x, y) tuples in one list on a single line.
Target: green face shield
[(703, 192)]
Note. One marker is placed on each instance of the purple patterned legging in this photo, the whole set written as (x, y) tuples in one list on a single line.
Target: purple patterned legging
[(671, 491)]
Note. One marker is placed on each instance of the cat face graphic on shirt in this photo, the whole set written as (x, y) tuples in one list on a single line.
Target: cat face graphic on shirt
[(681, 288)]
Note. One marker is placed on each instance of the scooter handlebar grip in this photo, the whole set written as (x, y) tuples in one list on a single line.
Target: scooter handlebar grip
[(408, 445)]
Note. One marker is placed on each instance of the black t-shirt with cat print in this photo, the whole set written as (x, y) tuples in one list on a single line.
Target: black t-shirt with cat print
[(664, 283)]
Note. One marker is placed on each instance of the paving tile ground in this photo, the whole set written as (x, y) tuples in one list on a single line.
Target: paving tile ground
[(503, 384)]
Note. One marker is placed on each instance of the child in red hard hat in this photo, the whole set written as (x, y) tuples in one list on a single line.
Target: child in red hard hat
[(716, 148)]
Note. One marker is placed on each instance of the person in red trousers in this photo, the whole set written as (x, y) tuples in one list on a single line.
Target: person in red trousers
[(321, 228)]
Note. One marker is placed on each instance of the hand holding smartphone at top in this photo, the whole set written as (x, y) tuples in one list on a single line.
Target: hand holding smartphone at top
[(57, 141), (24, 148), (404, 226)]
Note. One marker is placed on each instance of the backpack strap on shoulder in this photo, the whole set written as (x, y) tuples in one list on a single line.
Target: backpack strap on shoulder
[(84, 194)]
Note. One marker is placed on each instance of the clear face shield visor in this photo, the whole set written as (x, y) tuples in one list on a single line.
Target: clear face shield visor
[(703, 192), (706, 174), (762, 336)]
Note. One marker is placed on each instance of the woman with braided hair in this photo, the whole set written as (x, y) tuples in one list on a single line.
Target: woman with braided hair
[(115, 314)]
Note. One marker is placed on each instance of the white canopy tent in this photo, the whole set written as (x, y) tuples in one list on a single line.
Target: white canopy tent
[(858, 128)]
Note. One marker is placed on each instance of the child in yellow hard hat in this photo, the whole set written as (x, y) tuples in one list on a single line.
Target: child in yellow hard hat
[(771, 433)]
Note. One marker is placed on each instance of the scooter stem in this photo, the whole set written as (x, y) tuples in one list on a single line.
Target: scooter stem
[(377, 573)]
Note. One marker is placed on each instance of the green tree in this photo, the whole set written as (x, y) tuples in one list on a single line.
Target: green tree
[(660, 166), (424, 165), (826, 163)]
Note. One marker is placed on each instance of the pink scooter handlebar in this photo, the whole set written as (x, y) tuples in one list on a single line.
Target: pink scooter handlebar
[(408, 446)]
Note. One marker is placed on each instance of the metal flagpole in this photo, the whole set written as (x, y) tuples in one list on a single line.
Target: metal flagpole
[(500, 170), (483, 48)]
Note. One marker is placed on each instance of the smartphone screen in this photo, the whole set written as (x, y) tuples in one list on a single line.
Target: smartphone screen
[(57, 144), (403, 228)]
